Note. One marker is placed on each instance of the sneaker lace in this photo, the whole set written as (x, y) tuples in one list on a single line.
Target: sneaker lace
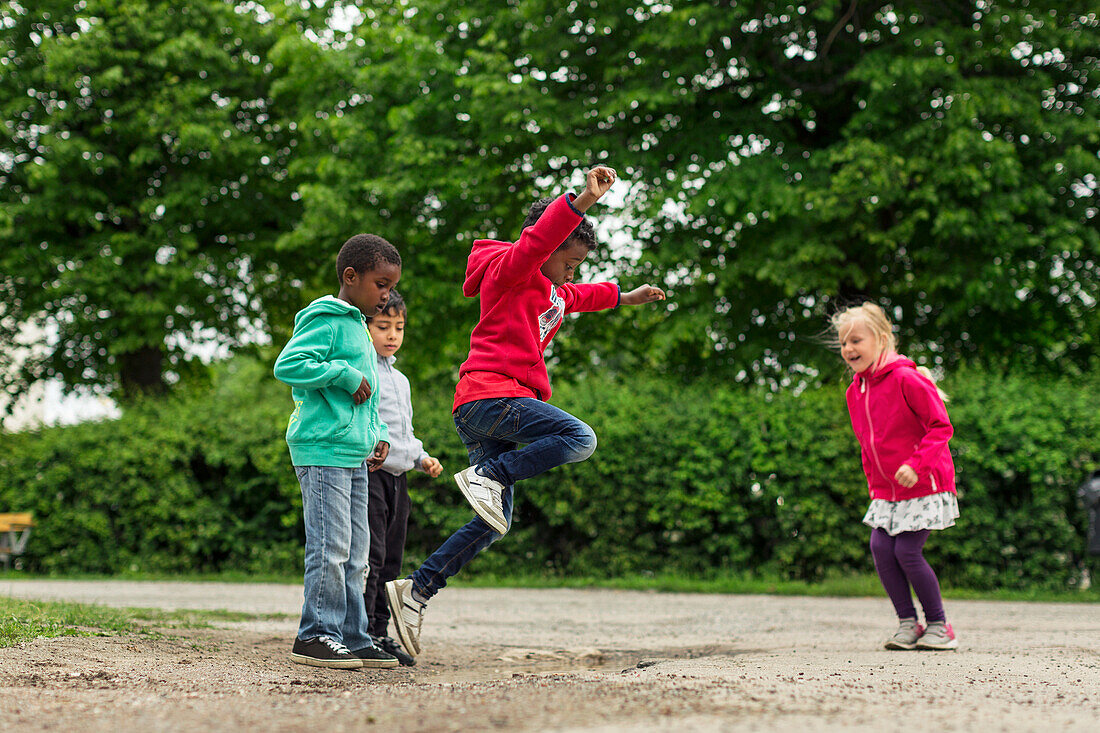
[(334, 645)]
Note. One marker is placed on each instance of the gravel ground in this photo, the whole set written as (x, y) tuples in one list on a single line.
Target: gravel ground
[(563, 660)]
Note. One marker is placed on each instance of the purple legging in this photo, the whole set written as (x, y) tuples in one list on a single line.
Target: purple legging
[(900, 563)]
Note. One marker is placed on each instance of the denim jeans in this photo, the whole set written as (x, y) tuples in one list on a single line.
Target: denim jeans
[(334, 502), (492, 429)]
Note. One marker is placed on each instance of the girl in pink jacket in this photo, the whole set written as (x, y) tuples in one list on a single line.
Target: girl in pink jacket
[(900, 420)]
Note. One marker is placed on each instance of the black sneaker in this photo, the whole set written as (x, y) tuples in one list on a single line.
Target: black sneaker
[(324, 652), (390, 646), (374, 658)]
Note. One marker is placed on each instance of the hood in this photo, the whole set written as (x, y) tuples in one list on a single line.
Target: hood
[(327, 305), (898, 362), (481, 256)]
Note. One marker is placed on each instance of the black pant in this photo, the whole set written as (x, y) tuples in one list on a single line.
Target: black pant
[(388, 516)]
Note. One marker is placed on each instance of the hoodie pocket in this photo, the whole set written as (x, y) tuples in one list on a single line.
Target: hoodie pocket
[(347, 428), (324, 419)]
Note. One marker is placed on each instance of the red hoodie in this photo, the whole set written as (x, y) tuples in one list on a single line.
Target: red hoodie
[(521, 310), (899, 418)]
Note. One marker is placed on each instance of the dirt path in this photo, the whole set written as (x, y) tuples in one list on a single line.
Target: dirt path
[(564, 660)]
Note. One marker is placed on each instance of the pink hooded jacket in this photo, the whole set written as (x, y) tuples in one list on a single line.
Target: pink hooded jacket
[(521, 310), (899, 418)]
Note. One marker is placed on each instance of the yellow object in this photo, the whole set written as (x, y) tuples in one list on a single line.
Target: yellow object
[(15, 530), (16, 521)]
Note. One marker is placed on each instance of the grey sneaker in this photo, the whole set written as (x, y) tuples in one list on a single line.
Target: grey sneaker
[(485, 496), (939, 636), (407, 612), (906, 636), (324, 652)]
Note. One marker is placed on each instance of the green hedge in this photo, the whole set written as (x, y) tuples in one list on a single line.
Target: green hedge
[(699, 479)]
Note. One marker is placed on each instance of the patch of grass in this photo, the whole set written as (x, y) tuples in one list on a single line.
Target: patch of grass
[(228, 576), (23, 620), (732, 584), (1038, 595), (190, 618), (847, 586), (856, 585)]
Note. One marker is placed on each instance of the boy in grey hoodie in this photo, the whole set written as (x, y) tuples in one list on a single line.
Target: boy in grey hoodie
[(388, 507)]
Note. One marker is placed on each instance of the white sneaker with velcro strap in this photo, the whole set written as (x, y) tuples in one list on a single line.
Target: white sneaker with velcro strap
[(486, 496), (939, 636), (407, 613), (906, 636)]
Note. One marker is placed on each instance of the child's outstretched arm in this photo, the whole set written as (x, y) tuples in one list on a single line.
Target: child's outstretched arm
[(588, 297), (597, 182), (642, 295), (538, 241)]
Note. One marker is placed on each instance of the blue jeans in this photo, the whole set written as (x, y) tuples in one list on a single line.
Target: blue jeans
[(334, 502), (491, 430)]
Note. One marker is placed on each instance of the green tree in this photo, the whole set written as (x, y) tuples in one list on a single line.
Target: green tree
[(780, 159), (143, 182), (382, 151)]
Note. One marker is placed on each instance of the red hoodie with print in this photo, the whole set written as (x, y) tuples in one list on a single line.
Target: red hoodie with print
[(521, 310), (899, 418)]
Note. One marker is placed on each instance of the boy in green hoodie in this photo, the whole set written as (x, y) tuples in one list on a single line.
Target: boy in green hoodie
[(335, 437)]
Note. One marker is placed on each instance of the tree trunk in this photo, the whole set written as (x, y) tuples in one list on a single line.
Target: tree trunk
[(142, 372)]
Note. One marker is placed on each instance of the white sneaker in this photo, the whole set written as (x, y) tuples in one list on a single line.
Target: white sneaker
[(939, 636), (906, 636), (407, 612), (486, 496)]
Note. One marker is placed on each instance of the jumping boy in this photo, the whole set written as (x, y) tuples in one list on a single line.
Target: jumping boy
[(500, 401), (388, 508), (335, 438)]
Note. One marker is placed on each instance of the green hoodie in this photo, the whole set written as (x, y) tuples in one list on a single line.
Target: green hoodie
[(324, 362)]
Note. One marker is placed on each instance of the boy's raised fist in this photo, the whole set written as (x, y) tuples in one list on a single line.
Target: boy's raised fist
[(599, 180)]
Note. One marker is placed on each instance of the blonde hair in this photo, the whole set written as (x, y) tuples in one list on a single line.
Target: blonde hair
[(874, 317)]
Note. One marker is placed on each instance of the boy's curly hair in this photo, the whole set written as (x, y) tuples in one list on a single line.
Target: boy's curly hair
[(363, 253), (584, 233), (395, 306)]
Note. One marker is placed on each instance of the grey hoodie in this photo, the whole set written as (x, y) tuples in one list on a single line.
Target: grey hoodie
[(395, 409)]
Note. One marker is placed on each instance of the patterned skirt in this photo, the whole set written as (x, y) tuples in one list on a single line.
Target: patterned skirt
[(935, 511)]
